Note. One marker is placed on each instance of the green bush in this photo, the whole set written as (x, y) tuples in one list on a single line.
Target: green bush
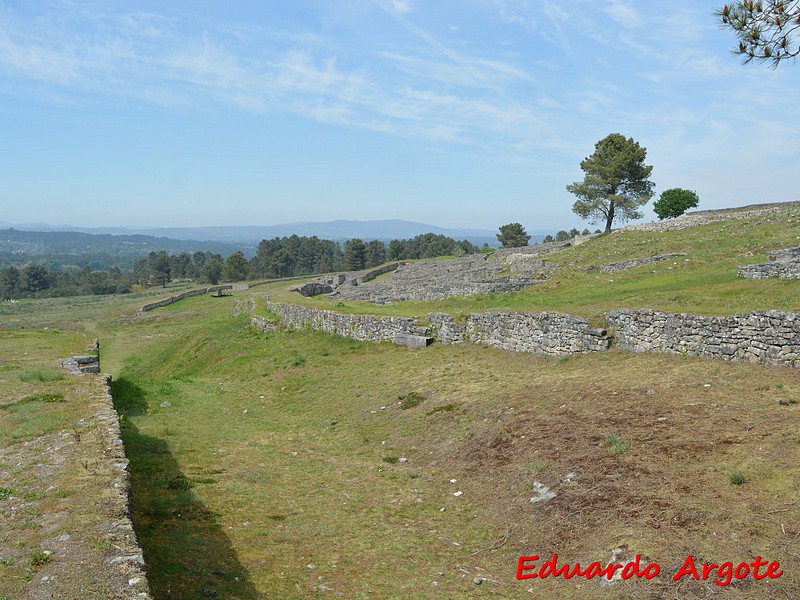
[(674, 202)]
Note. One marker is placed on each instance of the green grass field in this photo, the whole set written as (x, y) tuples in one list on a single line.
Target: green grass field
[(296, 464)]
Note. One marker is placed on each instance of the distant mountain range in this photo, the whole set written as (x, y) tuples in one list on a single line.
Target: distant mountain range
[(247, 236)]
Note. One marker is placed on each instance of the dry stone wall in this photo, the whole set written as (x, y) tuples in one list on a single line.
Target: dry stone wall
[(623, 265), (771, 337), (129, 559), (119, 571), (547, 333), (360, 327), (84, 363), (446, 330), (544, 332), (171, 299), (784, 264)]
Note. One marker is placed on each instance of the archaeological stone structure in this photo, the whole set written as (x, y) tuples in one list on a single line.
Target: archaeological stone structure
[(360, 327), (84, 363), (121, 572), (783, 264), (504, 270), (546, 332), (771, 337), (176, 298), (624, 265)]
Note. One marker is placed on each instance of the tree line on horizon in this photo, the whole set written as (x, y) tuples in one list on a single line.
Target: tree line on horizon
[(279, 257)]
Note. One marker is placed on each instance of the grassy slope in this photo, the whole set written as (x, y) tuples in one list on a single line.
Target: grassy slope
[(280, 502)]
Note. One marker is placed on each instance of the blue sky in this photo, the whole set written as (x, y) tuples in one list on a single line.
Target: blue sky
[(470, 113)]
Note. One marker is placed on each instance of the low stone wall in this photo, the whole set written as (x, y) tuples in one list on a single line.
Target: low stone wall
[(360, 327), (635, 262), (781, 270), (189, 294), (129, 559), (262, 324), (783, 264), (771, 337), (445, 330), (544, 332), (547, 333), (92, 453)]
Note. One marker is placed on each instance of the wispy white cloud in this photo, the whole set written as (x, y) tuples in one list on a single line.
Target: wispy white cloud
[(623, 13), (402, 6), (145, 57)]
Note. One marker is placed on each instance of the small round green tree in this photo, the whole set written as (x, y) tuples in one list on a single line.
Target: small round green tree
[(513, 235), (674, 202)]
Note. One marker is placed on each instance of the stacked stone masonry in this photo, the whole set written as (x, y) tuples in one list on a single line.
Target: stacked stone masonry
[(360, 327), (623, 265), (84, 363), (771, 337), (171, 299), (129, 559), (505, 270), (547, 333), (783, 264)]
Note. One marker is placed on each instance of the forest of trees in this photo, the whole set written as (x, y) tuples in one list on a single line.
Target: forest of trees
[(279, 257)]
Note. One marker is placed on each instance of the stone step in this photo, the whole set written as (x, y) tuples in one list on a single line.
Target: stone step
[(412, 341)]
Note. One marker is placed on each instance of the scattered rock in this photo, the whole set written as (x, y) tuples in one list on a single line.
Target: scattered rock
[(542, 492)]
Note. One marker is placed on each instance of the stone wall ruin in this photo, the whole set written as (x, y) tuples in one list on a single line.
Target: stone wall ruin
[(771, 337), (783, 264)]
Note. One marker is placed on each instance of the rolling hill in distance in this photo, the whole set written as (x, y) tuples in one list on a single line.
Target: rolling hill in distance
[(103, 247), (387, 230)]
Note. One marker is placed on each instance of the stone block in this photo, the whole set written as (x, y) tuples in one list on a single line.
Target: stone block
[(412, 341), (87, 359)]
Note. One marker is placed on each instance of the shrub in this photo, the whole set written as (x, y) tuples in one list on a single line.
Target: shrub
[(674, 202)]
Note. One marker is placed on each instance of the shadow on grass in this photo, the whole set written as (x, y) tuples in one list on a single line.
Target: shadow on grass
[(187, 553)]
